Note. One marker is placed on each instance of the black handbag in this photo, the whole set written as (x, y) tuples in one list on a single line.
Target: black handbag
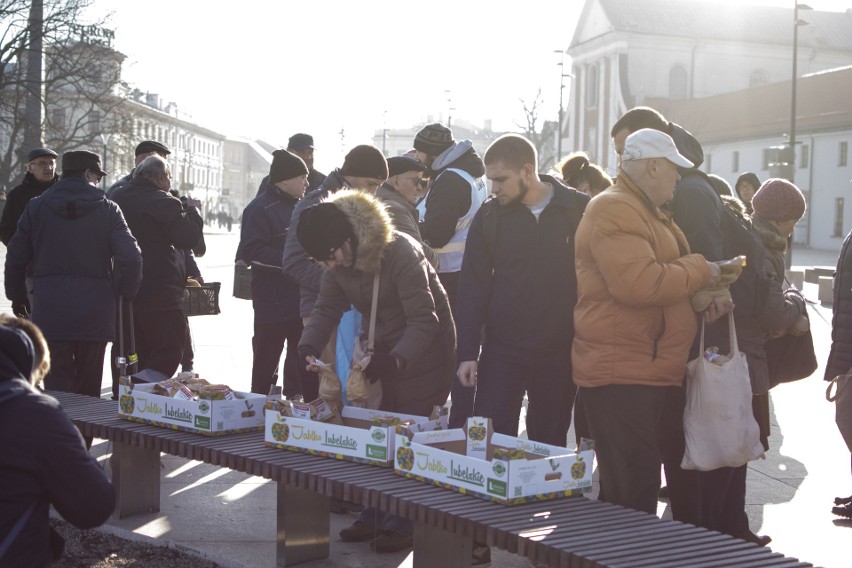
[(790, 357)]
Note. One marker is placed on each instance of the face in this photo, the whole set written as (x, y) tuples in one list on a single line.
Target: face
[(618, 142), (786, 227), (665, 180), (42, 168), (746, 191), (408, 185), (307, 156), (340, 257), (424, 158), (368, 184), (294, 186), (93, 177), (507, 185)]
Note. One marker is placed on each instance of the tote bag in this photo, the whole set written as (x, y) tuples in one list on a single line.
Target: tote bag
[(718, 420), (791, 357)]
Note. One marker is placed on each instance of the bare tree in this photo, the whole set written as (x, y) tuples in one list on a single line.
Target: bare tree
[(538, 131), (81, 90)]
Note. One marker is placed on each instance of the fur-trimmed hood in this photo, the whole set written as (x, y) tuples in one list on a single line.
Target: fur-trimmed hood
[(735, 204), (371, 223), (772, 239)]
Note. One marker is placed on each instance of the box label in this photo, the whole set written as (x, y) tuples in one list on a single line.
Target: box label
[(377, 452), (497, 487), (178, 414), (466, 474), (202, 422)]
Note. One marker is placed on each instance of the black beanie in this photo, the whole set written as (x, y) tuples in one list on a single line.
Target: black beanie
[(365, 161), (286, 165), (433, 139), (323, 228)]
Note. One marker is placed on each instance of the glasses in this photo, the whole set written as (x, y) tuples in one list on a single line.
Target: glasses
[(415, 181), (44, 164)]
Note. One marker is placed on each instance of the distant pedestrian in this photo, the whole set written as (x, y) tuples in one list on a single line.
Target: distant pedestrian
[(746, 186), (143, 150), (584, 176), (41, 174), (301, 145)]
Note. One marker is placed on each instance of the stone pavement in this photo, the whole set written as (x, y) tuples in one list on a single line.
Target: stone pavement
[(230, 517)]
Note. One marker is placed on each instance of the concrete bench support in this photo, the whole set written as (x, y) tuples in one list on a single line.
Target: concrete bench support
[(136, 477), (438, 547), (303, 521)]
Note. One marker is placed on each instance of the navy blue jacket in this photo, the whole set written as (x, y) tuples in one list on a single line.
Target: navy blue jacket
[(297, 263), (840, 357), (525, 294), (275, 297), (75, 238), (161, 225)]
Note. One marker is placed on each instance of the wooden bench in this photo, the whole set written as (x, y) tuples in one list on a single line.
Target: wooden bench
[(570, 532)]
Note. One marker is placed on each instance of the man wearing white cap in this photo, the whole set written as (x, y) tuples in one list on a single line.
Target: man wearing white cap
[(633, 321)]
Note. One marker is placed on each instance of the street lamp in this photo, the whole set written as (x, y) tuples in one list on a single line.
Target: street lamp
[(562, 75), (105, 139), (796, 23)]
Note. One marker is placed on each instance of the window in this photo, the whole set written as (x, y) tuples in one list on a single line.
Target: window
[(735, 161), (838, 217), (844, 154), (804, 158), (757, 78), (58, 117), (592, 87), (677, 83)]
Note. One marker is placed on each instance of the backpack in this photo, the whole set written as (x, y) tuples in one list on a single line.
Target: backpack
[(739, 237)]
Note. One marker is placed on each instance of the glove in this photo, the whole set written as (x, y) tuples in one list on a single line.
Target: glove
[(304, 352), (383, 366), (22, 308)]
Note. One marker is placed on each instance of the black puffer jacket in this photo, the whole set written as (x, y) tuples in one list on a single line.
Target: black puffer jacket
[(160, 225), (840, 356), (16, 202)]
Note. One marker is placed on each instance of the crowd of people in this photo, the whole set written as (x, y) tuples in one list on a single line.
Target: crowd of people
[(476, 279)]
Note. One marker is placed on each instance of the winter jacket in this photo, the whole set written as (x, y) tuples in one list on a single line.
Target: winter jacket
[(633, 321), (525, 293), (297, 264), (16, 202), (275, 297), (119, 183), (449, 194), (413, 319), (161, 226), (840, 356), (44, 462), (405, 219), (82, 255)]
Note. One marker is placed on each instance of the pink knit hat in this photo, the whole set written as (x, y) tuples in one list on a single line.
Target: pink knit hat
[(779, 200)]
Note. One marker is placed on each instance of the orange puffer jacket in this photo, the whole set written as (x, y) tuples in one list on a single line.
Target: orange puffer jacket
[(635, 275)]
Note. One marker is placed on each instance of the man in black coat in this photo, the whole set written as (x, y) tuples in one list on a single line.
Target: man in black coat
[(143, 150), (82, 256), (162, 225), (41, 174), (275, 297)]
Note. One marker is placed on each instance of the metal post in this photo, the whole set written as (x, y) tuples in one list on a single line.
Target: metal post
[(34, 110), (792, 152), (561, 65)]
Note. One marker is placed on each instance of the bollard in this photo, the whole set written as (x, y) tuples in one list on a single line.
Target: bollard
[(826, 290), (796, 277)]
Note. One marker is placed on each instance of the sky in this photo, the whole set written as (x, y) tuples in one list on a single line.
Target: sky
[(270, 68)]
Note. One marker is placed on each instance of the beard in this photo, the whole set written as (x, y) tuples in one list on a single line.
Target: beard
[(523, 188)]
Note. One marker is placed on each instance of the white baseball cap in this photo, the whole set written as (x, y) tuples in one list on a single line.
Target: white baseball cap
[(649, 143)]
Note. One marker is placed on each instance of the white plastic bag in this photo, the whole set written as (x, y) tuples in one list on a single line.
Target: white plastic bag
[(718, 420)]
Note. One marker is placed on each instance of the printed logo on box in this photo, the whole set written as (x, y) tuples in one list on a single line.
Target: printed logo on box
[(377, 452), (378, 435), (178, 414), (466, 474), (499, 468), (146, 407), (497, 487), (339, 441), (202, 422), (203, 406)]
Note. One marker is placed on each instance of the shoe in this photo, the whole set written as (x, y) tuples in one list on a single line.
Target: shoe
[(358, 532), (481, 555), (664, 492), (759, 540), (389, 541), (845, 511), (842, 500), (341, 507)]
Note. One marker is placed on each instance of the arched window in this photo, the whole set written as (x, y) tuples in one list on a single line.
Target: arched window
[(758, 77), (677, 83)]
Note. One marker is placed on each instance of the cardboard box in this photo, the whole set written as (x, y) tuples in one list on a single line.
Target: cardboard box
[(209, 417), (527, 471), (357, 439)]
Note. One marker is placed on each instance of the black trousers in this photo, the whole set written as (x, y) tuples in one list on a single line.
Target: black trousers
[(76, 366), (267, 346), (685, 485), (504, 375), (462, 396), (160, 339), (624, 421)]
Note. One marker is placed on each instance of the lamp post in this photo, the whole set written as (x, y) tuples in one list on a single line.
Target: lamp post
[(105, 139), (796, 23), (562, 75)]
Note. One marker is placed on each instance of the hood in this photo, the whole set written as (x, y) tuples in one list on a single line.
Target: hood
[(460, 155), (735, 205), (17, 354), (72, 198), (371, 223), (13, 388), (687, 145)]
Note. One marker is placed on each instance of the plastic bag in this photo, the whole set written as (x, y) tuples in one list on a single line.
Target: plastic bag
[(718, 420), (330, 388), (359, 390)]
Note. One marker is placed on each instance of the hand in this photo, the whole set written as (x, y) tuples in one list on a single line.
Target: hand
[(22, 308), (192, 202), (715, 273), (309, 356), (467, 373), (716, 309), (383, 366)]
